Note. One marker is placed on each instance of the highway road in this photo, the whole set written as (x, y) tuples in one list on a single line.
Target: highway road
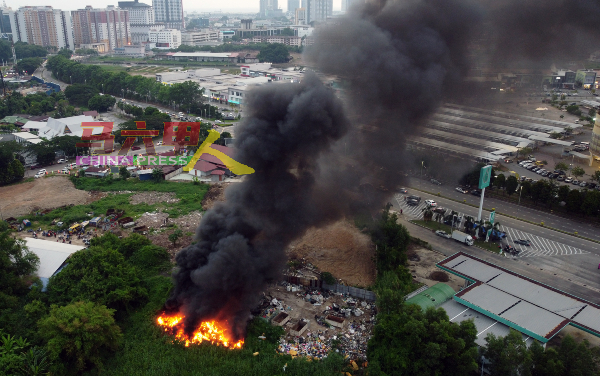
[(537, 216)]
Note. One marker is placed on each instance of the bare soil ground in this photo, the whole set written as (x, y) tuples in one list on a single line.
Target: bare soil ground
[(40, 194), (187, 224), (340, 249), (421, 263), (215, 193), (152, 198)]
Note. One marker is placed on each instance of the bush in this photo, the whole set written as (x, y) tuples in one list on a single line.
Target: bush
[(328, 278), (150, 258)]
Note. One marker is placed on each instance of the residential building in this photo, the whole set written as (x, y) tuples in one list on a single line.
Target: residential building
[(101, 25), (287, 40), (269, 9), (585, 78), (347, 4), (211, 167), (42, 26), (595, 144), (292, 5), (5, 29), (141, 19), (203, 56), (301, 17), (199, 38), (319, 10), (165, 38), (169, 13), (246, 24)]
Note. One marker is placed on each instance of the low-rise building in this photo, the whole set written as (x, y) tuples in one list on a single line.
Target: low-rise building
[(203, 56), (165, 38), (199, 38), (130, 51), (287, 40)]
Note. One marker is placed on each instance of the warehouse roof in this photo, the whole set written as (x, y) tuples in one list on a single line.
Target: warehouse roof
[(433, 296), (519, 302), (52, 254)]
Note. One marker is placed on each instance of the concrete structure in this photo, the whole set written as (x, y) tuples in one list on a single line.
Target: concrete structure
[(5, 29), (141, 19), (287, 40), (43, 26), (301, 17), (52, 256), (281, 319), (586, 78), (299, 328), (109, 26), (318, 10), (292, 5), (335, 321), (199, 38), (508, 299), (269, 9), (130, 51), (203, 56), (169, 13), (595, 142), (165, 38)]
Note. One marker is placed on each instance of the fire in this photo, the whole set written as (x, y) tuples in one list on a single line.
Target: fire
[(210, 331)]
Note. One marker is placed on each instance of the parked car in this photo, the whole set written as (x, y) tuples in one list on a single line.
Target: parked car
[(38, 175), (459, 189), (583, 184), (61, 161), (508, 161), (591, 185), (560, 178), (159, 143), (135, 148), (42, 171), (568, 180), (575, 182), (430, 203), (435, 182), (403, 190), (443, 234), (523, 242)]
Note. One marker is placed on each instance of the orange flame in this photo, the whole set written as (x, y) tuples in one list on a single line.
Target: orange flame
[(210, 331)]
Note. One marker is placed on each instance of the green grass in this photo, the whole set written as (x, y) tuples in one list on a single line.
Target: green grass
[(147, 351), (114, 68), (492, 247), (190, 195)]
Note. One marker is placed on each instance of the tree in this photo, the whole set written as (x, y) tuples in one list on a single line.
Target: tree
[(511, 184), (11, 353), (174, 236), (101, 103), (508, 355), (78, 334), (555, 135), (11, 169), (596, 176), (574, 201), (157, 175), (43, 151), (274, 53), (591, 202), (328, 278), (500, 181), (124, 173), (80, 94), (525, 151), (100, 275), (568, 129), (16, 263), (561, 166), (29, 65), (65, 52), (391, 239), (592, 112), (409, 341), (287, 32), (577, 171), (563, 192)]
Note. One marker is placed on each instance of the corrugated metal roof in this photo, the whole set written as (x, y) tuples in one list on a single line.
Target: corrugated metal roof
[(433, 296), (51, 253), (520, 302)]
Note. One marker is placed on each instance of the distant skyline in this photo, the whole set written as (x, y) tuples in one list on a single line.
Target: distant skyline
[(246, 6)]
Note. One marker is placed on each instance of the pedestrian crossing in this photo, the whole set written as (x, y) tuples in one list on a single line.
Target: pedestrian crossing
[(540, 247)]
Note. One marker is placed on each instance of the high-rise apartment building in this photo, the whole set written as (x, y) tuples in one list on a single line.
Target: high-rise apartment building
[(300, 17), (141, 18), (43, 26), (5, 30), (268, 8), (347, 4), (109, 26), (293, 5), (319, 10), (169, 13)]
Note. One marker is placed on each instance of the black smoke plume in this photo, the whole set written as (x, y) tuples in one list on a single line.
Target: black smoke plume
[(398, 60), (240, 243)]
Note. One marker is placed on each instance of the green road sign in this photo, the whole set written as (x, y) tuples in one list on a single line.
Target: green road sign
[(492, 217), (484, 177)]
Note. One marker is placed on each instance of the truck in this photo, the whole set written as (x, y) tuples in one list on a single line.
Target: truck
[(462, 237)]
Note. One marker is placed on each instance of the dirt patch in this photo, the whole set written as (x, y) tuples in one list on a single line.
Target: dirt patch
[(152, 198), (439, 276), (166, 226), (216, 193), (424, 270), (577, 334), (40, 194), (340, 249)]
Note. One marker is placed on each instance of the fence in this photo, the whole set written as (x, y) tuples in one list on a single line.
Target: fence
[(174, 173), (352, 291)]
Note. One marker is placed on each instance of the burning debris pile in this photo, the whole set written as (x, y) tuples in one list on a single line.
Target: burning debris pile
[(209, 331)]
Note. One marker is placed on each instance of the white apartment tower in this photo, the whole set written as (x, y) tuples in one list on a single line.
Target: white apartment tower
[(141, 18), (169, 13), (318, 10), (43, 26)]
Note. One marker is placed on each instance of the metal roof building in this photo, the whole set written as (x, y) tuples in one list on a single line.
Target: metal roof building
[(52, 255), (433, 296), (504, 297)]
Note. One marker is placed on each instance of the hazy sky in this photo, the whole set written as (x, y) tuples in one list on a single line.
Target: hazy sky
[(197, 5)]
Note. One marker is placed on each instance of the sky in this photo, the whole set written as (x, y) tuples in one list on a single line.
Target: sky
[(191, 5)]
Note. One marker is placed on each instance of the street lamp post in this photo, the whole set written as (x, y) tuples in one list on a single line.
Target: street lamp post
[(102, 88), (520, 191), (422, 169), (71, 77)]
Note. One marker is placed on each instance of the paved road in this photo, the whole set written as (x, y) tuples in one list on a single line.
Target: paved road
[(554, 221), (575, 274)]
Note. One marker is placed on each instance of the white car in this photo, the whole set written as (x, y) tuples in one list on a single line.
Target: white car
[(38, 175), (42, 171), (159, 143), (443, 234), (72, 165), (61, 161), (459, 189), (430, 203)]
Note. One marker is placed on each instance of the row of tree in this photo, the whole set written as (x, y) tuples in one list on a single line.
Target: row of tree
[(186, 96), (55, 105), (22, 50)]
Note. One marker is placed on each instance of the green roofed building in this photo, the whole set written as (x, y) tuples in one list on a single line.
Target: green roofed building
[(433, 296)]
